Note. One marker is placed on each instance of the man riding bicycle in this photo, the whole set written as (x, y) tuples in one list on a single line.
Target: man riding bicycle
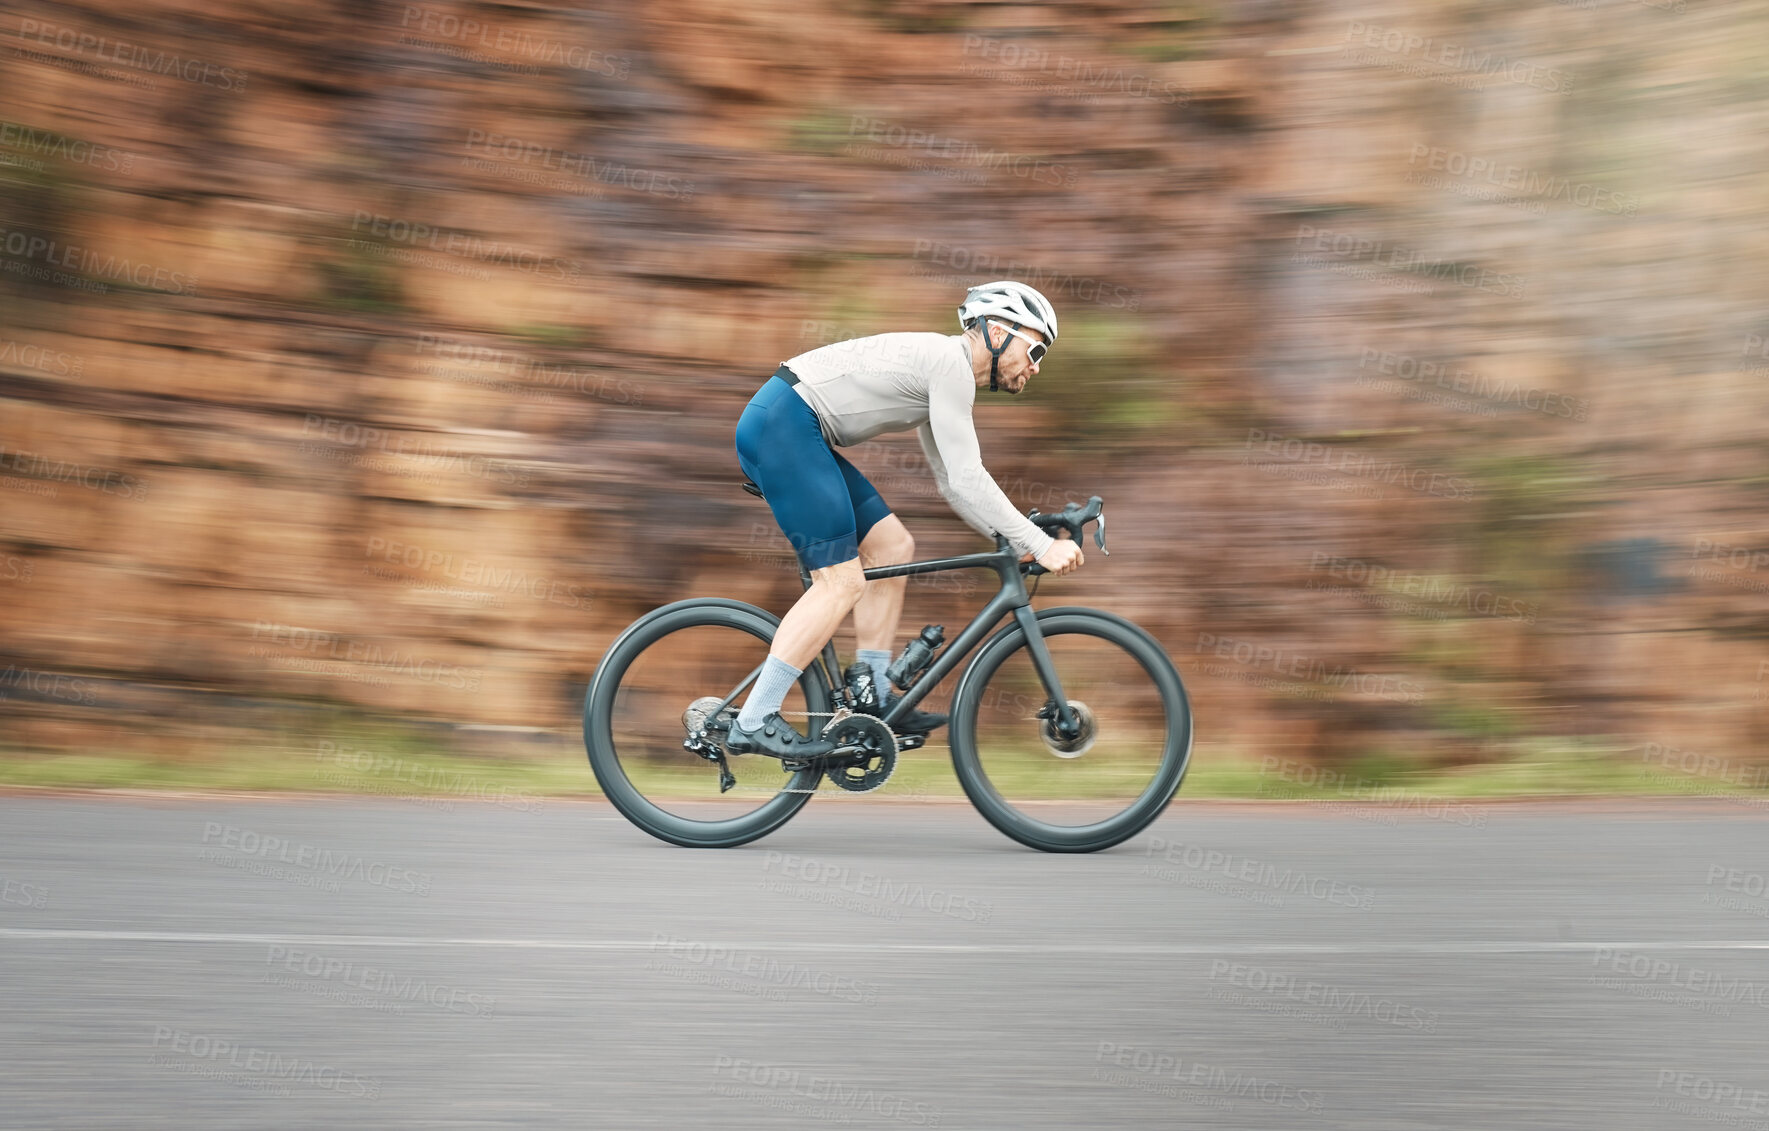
[(842, 394)]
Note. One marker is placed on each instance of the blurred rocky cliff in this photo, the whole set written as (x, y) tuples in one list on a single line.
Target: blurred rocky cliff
[(387, 355)]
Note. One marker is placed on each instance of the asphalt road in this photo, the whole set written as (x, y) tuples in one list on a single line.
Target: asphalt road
[(292, 964)]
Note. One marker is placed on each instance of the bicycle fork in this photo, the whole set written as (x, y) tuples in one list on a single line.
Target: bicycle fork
[(1068, 725)]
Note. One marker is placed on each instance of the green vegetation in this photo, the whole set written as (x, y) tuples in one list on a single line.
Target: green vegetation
[(354, 278), (551, 335), (1185, 34), (389, 768), (914, 19), (1107, 362), (820, 131)]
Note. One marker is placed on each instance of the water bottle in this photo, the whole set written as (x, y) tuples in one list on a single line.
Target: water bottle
[(917, 655), (859, 679)]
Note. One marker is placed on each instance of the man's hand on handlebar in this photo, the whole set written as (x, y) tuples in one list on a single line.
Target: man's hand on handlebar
[(1064, 555)]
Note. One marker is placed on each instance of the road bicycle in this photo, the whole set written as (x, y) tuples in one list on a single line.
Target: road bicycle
[(1070, 728)]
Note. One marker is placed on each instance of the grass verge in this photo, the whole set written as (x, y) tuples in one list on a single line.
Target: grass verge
[(394, 768)]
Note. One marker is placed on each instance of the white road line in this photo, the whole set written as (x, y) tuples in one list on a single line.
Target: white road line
[(27, 934)]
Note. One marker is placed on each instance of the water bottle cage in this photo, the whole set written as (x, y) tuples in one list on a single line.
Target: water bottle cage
[(918, 656)]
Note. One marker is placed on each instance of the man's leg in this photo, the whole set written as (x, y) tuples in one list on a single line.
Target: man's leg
[(883, 541), (803, 631), (877, 613), (781, 447), (813, 619), (881, 607)]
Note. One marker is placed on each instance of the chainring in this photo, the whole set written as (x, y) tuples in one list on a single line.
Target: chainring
[(872, 753), (1065, 747)]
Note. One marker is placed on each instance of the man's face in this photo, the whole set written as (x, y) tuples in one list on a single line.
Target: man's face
[(1016, 367)]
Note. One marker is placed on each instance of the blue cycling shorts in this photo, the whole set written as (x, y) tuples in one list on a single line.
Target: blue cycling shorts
[(824, 506)]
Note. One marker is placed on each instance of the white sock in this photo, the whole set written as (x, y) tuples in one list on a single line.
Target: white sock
[(769, 692)]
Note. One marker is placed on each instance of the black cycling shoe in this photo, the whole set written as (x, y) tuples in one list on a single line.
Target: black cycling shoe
[(776, 739), (916, 721), (860, 683)]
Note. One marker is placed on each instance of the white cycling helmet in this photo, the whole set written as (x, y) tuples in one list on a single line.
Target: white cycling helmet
[(1014, 303), (1010, 302)]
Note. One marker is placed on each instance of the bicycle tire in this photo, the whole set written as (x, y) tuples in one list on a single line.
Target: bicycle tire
[(598, 715), (1175, 757)]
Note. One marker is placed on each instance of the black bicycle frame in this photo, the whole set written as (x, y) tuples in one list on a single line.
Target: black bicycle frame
[(1012, 597)]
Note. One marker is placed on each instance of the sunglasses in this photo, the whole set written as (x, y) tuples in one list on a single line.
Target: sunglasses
[(1035, 349)]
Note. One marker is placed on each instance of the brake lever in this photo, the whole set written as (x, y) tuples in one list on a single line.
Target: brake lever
[(1099, 534)]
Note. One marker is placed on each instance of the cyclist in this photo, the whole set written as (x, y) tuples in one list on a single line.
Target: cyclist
[(842, 394)]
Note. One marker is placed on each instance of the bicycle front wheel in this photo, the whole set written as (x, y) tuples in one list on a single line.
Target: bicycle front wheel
[(1082, 792), (653, 689)]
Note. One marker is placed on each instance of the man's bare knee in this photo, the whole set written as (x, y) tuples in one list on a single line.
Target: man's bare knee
[(843, 580), (904, 550), (888, 543)]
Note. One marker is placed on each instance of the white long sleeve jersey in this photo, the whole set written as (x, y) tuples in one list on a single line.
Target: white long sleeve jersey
[(895, 382)]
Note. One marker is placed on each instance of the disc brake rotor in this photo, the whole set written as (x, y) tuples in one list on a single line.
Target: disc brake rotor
[(1062, 747), (866, 753)]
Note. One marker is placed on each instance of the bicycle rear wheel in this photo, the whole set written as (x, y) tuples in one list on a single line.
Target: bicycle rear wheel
[(1095, 789), (650, 691)]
